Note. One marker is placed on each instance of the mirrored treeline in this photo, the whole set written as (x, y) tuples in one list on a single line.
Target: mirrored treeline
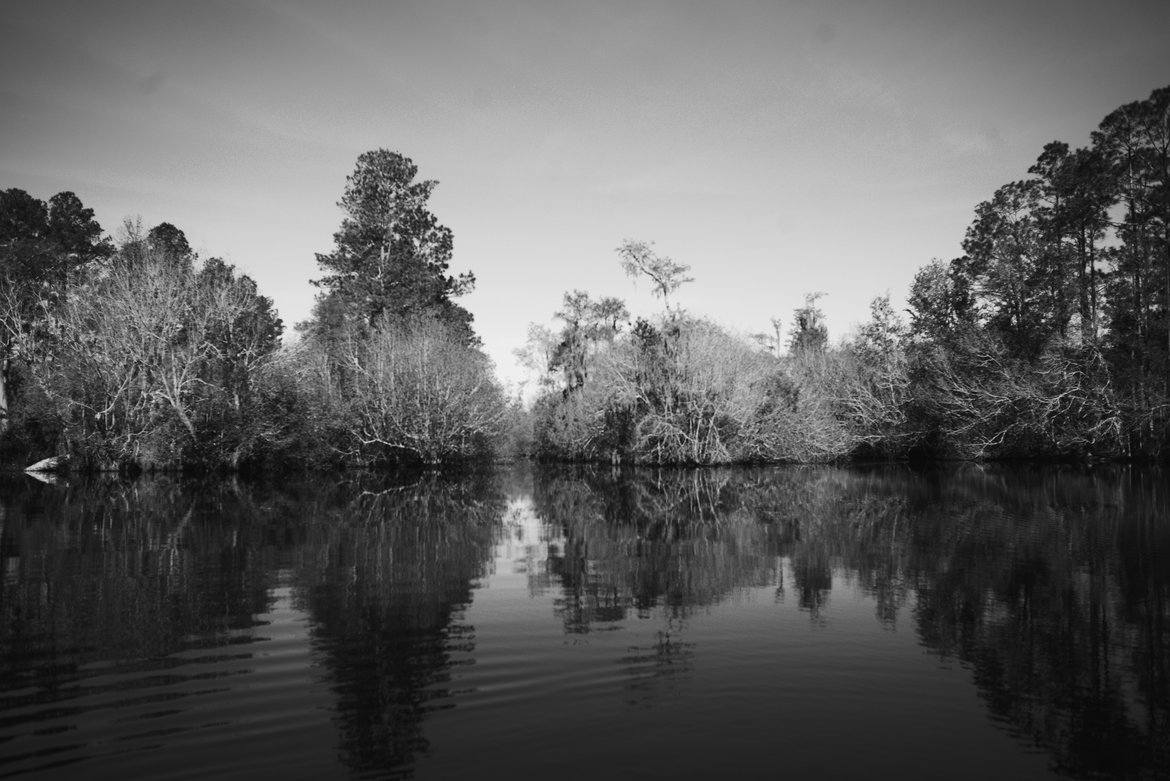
[(171, 628)]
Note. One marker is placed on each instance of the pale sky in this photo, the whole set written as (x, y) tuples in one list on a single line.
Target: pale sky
[(779, 148)]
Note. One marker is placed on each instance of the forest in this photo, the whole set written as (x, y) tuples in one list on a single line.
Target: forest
[(135, 354), (1048, 338)]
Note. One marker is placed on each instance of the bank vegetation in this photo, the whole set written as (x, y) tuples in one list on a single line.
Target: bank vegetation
[(1048, 337)]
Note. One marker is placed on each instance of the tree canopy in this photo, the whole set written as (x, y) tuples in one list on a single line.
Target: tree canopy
[(391, 255), (42, 247), (638, 258)]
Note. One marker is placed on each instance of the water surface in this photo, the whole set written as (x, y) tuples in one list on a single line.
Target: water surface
[(964, 622)]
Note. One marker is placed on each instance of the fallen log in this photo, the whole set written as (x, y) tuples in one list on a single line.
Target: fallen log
[(51, 464)]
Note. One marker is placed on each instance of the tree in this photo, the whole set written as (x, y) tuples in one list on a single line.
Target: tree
[(77, 235), (876, 393), (588, 324), (421, 391), (770, 341), (42, 247), (1135, 141), (1021, 290), (241, 339), (571, 353), (391, 255), (667, 276), (152, 355), (609, 313), (1074, 193), (940, 302), (809, 332), (168, 241), (537, 355)]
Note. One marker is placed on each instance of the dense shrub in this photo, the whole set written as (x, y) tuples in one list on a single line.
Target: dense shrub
[(686, 391)]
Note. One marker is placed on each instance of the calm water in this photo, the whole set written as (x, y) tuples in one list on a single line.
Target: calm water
[(808, 623)]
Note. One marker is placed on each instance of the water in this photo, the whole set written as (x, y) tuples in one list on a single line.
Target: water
[(963, 622)]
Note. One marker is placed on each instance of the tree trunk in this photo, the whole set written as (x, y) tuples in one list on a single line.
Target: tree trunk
[(4, 396), (186, 421)]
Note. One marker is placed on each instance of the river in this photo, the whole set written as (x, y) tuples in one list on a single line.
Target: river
[(955, 622)]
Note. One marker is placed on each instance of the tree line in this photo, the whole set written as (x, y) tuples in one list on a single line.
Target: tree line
[(1049, 336), (135, 353)]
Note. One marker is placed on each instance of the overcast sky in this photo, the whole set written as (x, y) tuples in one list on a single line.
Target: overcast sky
[(779, 148)]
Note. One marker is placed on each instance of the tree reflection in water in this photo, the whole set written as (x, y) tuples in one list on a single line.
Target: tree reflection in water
[(392, 571), (663, 538), (1049, 585), (123, 579), (118, 572)]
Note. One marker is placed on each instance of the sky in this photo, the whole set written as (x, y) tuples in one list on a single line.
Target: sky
[(778, 148)]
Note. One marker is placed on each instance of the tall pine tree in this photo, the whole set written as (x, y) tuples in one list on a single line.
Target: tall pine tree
[(391, 256)]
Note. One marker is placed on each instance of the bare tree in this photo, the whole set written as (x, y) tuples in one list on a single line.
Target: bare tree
[(989, 404), (420, 390), (133, 355)]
